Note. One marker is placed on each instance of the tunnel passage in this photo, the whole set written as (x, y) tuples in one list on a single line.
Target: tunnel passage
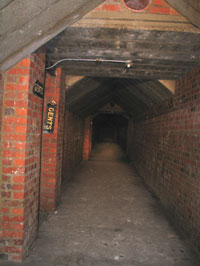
[(110, 128), (160, 136), (116, 56), (155, 138)]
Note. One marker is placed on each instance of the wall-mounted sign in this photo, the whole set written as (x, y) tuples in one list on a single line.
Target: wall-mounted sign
[(50, 117), (38, 89)]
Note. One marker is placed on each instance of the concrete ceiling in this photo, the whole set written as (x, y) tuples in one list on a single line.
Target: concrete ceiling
[(89, 94)]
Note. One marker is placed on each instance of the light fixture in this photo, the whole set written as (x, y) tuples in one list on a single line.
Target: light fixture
[(129, 64)]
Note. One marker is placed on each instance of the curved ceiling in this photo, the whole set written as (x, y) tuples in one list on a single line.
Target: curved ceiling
[(88, 95)]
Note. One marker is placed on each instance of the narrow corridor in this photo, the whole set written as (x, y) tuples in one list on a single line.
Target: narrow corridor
[(107, 217)]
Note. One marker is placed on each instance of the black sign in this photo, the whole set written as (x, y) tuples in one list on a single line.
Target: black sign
[(50, 117), (38, 89)]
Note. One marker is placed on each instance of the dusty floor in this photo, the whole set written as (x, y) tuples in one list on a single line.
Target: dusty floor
[(107, 218)]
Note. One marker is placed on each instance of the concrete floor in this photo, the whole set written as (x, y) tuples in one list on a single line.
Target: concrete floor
[(107, 218)]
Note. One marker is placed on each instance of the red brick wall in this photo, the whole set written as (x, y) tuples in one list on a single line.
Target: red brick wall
[(161, 7), (73, 143), (164, 146), (52, 145), (87, 140), (21, 133), (1, 103), (156, 7)]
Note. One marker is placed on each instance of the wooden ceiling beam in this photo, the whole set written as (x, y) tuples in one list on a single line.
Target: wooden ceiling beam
[(148, 74), (132, 86), (154, 54)]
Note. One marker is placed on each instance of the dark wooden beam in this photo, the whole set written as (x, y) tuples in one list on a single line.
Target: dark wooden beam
[(190, 9), (132, 87), (85, 88), (91, 99), (155, 54), (150, 92), (123, 104), (116, 73)]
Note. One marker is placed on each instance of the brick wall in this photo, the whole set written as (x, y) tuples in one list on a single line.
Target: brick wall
[(1, 104), (87, 140), (156, 7), (1, 98), (164, 145), (161, 7), (21, 134), (73, 143), (1, 206), (52, 145)]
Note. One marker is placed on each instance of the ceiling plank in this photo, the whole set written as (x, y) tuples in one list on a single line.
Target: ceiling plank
[(120, 72), (83, 88), (5, 3), (134, 96), (92, 109), (190, 9), (131, 110), (90, 99), (154, 54), (40, 22), (122, 36), (132, 86)]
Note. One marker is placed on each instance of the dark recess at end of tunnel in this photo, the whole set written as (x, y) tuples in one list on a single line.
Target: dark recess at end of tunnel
[(110, 128)]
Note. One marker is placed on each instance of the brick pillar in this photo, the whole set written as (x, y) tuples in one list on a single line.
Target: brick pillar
[(21, 133), (1, 102), (52, 145), (87, 141)]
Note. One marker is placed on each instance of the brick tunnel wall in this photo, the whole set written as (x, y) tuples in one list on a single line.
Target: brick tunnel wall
[(1, 100), (164, 146), (156, 7), (87, 140), (73, 143), (1, 105), (1, 108), (52, 148), (20, 142)]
